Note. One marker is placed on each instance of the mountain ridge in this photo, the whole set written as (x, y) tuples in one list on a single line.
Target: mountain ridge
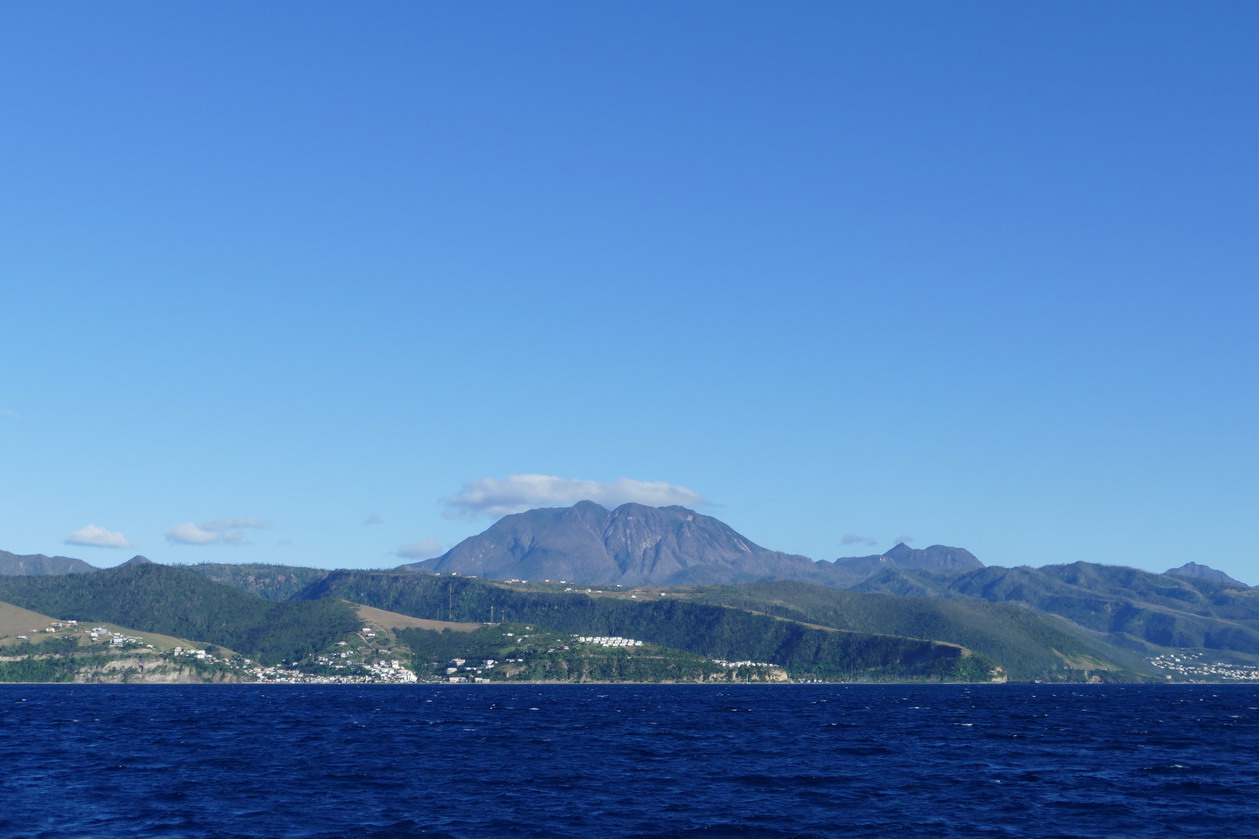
[(40, 565), (1194, 569), (633, 544)]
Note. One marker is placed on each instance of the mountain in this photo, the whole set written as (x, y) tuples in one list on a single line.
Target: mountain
[(728, 598), (1193, 569), (631, 545), (1131, 607), (666, 546), (321, 629), (38, 564), (848, 571), (1072, 622)]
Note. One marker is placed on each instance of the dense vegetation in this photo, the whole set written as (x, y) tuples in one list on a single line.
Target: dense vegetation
[(1066, 622), (704, 629), (177, 601), (1128, 605), (44, 669), (621, 665), (1057, 622), (44, 646), (274, 582), (528, 653), (1029, 644)]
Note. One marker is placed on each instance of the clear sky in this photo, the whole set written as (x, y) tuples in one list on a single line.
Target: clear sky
[(334, 284)]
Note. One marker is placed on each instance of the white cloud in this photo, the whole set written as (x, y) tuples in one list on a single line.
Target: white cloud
[(517, 493), (373, 519), (217, 532), (856, 539), (9, 413), (190, 534), (424, 549), (904, 540), (97, 537), (233, 524)]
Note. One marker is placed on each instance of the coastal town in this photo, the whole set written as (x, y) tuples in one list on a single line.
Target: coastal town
[(1194, 666), (362, 661), (368, 656)]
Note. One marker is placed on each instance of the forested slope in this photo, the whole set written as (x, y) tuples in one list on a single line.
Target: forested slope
[(706, 629), (177, 601)]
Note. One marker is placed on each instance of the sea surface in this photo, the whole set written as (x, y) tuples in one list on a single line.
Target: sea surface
[(628, 760)]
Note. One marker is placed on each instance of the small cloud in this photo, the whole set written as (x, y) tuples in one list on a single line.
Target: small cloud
[(97, 537), (190, 534), (233, 524), (424, 549), (216, 532), (373, 519), (904, 540), (855, 539), (517, 493), (9, 413)]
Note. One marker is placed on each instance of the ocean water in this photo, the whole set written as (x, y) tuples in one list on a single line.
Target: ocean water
[(625, 761)]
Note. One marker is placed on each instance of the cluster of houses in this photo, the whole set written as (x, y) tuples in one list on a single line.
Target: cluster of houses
[(458, 670), (115, 639), (1192, 666), (390, 672), (361, 669), (98, 634), (74, 625), (733, 664), (383, 671), (608, 641), (199, 655)]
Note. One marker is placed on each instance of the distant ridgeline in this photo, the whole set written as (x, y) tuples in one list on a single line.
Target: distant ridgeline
[(691, 588), (39, 564), (664, 546)]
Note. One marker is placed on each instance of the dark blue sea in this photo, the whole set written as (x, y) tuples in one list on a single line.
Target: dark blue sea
[(623, 761)]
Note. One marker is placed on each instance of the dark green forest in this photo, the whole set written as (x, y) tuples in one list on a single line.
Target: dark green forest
[(179, 602), (529, 653), (705, 629), (1029, 644)]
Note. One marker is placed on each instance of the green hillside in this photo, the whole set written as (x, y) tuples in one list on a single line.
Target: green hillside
[(1027, 643), (1061, 623), (179, 602), (702, 628), (516, 652), (1129, 606), (274, 582)]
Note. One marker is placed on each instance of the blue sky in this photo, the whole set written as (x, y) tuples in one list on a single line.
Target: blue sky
[(333, 284)]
